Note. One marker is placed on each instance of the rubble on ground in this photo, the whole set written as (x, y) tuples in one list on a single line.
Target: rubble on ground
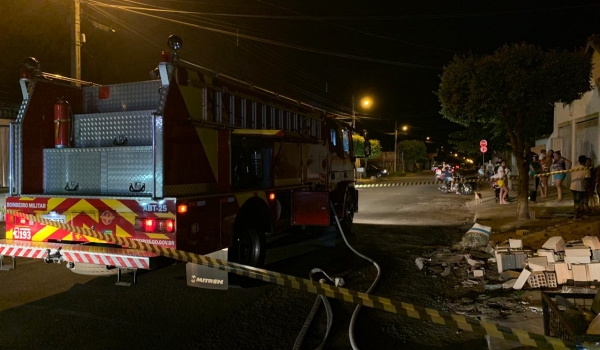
[(478, 236), (500, 270), (556, 263), (495, 273)]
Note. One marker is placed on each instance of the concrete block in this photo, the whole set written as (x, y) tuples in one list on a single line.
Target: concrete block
[(551, 279), (570, 260), (515, 243), (537, 279), (499, 265), (562, 272), (555, 243), (550, 267), (522, 279), (538, 260), (593, 270), (578, 251), (477, 273), (549, 254), (579, 272), (591, 241)]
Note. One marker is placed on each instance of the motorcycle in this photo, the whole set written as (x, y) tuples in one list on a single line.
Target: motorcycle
[(460, 185)]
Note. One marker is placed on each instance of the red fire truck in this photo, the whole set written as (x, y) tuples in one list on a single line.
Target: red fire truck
[(192, 160)]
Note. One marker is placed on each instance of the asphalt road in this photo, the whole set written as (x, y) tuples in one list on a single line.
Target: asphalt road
[(49, 307)]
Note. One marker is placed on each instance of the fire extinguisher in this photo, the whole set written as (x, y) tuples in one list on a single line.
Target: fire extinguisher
[(62, 124)]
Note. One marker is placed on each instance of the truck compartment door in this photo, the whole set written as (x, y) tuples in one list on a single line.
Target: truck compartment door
[(310, 208)]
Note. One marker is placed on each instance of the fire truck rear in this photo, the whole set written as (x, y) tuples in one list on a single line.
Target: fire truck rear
[(191, 160)]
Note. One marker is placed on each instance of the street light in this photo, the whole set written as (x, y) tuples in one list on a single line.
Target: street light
[(366, 103)]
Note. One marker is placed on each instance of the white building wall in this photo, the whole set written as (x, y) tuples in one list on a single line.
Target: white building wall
[(568, 124)]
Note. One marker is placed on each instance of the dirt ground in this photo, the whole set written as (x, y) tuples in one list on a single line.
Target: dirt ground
[(542, 229)]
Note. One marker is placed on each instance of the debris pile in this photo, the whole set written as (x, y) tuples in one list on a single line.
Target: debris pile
[(443, 261), (556, 263), (488, 308), (478, 236)]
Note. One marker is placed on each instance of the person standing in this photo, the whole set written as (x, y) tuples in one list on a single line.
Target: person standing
[(489, 169), (579, 177), (534, 169), (501, 181), (546, 163), (558, 164), (590, 186)]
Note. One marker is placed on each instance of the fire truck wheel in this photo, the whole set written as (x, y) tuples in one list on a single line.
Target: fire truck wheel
[(348, 214), (249, 247)]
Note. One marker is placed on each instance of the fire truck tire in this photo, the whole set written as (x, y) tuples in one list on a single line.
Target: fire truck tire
[(249, 247)]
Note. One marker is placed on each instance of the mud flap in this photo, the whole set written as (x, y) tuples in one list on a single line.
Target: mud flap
[(206, 277)]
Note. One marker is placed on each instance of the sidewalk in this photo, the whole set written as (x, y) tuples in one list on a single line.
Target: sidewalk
[(503, 217)]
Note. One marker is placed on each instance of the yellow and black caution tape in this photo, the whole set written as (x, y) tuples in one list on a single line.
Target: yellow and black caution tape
[(394, 306), (420, 183), (560, 172)]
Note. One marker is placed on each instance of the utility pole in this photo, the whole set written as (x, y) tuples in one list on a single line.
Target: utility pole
[(395, 145), (402, 161), (353, 114), (76, 43)]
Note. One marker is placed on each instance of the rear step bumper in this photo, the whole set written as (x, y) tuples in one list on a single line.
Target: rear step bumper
[(79, 253)]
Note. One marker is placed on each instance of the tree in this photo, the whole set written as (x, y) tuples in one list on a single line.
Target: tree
[(511, 93), (412, 151), (467, 141), (359, 148)]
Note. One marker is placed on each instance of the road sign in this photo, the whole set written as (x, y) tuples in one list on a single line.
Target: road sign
[(483, 149), (483, 143)]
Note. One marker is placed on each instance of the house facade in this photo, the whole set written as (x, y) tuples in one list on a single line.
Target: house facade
[(576, 125)]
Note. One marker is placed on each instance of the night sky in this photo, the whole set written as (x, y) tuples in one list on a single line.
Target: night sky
[(399, 47)]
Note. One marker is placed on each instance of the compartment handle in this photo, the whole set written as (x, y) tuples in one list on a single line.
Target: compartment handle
[(72, 186), (137, 187), (120, 141)]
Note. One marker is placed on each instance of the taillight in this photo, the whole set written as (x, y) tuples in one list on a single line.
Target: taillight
[(149, 225), (182, 208), (170, 226)]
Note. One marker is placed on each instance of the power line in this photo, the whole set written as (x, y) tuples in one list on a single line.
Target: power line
[(358, 30), (274, 42), (358, 18)]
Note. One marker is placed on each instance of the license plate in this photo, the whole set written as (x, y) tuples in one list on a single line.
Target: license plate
[(55, 217)]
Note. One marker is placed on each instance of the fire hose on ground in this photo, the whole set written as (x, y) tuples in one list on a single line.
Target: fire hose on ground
[(338, 283)]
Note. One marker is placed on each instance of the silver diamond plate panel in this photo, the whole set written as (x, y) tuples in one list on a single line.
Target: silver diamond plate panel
[(159, 156), (99, 171), (102, 129), (127, 166), (123, 97), (77, 168)]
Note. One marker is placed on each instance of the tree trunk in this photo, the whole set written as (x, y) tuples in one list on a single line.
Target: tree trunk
[(523, 196)]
